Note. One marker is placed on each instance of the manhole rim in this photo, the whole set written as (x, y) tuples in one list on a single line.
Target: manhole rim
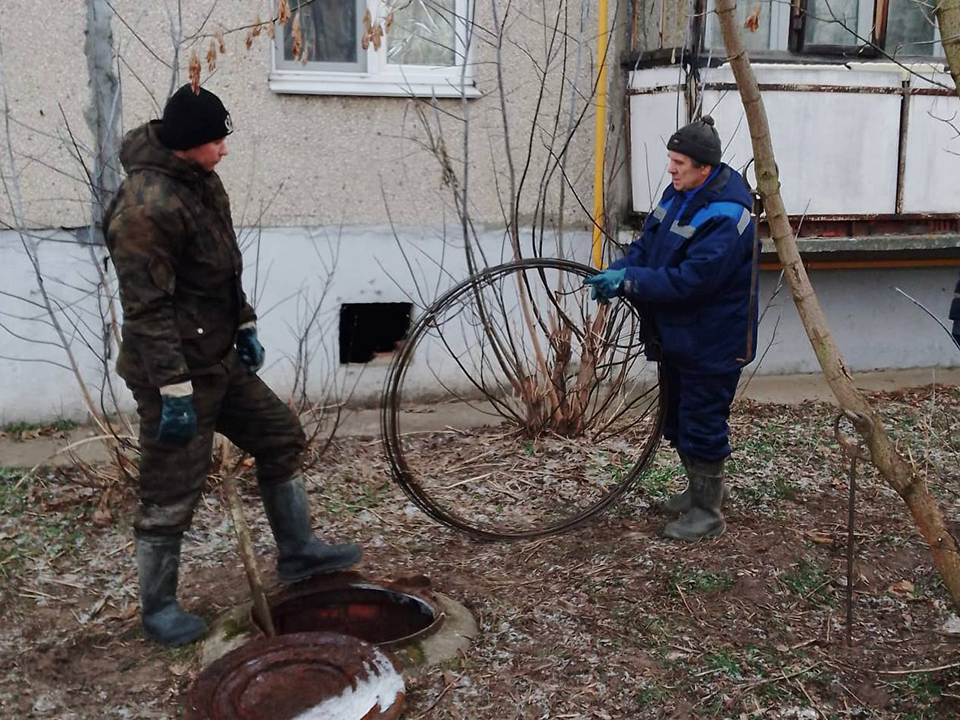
[(304, 589)]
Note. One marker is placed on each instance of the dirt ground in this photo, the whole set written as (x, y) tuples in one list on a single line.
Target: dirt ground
[(609, 621)]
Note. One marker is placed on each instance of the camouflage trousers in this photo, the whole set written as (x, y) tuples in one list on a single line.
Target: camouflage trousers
[(226, 399)]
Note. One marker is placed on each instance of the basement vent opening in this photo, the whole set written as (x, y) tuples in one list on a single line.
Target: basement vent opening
[(368, 330)]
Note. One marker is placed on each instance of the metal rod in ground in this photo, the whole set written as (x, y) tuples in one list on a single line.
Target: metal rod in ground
[(260, 606), (851, 540), (244, 540)]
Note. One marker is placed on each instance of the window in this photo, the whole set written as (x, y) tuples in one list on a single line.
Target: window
[(374, 47), (912, 29), (772, 34), (903, 28), (828, 24)]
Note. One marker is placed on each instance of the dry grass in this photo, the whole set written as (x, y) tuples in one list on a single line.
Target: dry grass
[(606, 622)]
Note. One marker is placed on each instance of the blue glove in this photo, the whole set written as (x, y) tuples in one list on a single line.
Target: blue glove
[(178, 421), (250, 350), (605, 285)]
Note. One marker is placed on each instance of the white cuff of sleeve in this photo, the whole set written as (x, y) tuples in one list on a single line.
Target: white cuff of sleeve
[(177, 389), (247, 325)]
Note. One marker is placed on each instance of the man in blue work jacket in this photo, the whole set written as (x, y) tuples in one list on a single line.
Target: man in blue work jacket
[(690, 274)]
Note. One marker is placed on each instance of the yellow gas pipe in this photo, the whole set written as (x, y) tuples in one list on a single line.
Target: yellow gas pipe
[(600, 134)]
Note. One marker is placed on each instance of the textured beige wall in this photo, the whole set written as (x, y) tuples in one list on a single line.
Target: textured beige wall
[(336, 158)]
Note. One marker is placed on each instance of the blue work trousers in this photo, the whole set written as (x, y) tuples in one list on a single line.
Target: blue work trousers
[(698, 407)]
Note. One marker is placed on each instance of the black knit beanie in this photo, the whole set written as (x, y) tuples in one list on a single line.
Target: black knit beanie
[(191, 119), (698, 140)]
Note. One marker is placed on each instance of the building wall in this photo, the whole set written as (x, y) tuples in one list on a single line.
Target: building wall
[(290, 274), (311, 176), (876, 327), (318, 179), (301, 160), (836, 132), (661, 24)]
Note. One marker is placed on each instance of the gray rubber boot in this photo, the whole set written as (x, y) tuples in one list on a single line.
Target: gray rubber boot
[(682, 501), (704, 519), (164, 621), (301, 553)]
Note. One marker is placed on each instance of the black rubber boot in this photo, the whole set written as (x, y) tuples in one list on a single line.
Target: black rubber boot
[(679, 503), (682, 502), (704, 518), (164, 621), (301, 553)]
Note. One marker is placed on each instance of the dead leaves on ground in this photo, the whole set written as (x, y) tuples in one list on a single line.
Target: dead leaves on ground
[(904, 588)]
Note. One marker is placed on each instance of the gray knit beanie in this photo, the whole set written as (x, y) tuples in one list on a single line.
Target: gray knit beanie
[(698, 140)]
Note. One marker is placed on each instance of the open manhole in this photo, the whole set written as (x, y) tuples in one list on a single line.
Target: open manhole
[(387, 616)]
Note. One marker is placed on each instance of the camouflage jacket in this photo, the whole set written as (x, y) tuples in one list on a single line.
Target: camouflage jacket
[(171, 239)]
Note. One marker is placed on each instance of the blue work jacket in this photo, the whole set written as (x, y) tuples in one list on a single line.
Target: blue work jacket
[(690, 274)]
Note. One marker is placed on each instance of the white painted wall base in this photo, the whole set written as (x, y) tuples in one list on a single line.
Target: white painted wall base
[(877, 327)]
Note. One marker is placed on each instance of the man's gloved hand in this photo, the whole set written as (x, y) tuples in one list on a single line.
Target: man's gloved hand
[(249, 349), (606, 285), (178, 421)]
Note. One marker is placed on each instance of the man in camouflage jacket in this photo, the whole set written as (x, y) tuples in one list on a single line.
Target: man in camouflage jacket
[(190, 354)]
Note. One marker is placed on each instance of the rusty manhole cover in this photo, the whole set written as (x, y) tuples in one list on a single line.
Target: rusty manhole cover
[(300, 676), (386, 615)]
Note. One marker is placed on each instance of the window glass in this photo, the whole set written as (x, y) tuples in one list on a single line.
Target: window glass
[(911, 28), (330, 31), (832, 22), (422, 33), (759, 40)]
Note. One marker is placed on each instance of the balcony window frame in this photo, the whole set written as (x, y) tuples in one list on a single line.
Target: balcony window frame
[(872, 18), (788, 31)]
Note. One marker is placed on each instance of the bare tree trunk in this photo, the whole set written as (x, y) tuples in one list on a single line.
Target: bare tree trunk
[(103, 112), (102, 117), (11, 189), (948, 18), (900, 475)]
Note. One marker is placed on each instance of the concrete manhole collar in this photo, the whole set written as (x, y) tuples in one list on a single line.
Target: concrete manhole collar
[(418, 626)]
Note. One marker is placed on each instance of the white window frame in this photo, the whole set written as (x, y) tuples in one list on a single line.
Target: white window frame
[(381, 78)]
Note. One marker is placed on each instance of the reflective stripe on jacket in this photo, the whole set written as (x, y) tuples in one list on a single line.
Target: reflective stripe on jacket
[(690, 273)]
